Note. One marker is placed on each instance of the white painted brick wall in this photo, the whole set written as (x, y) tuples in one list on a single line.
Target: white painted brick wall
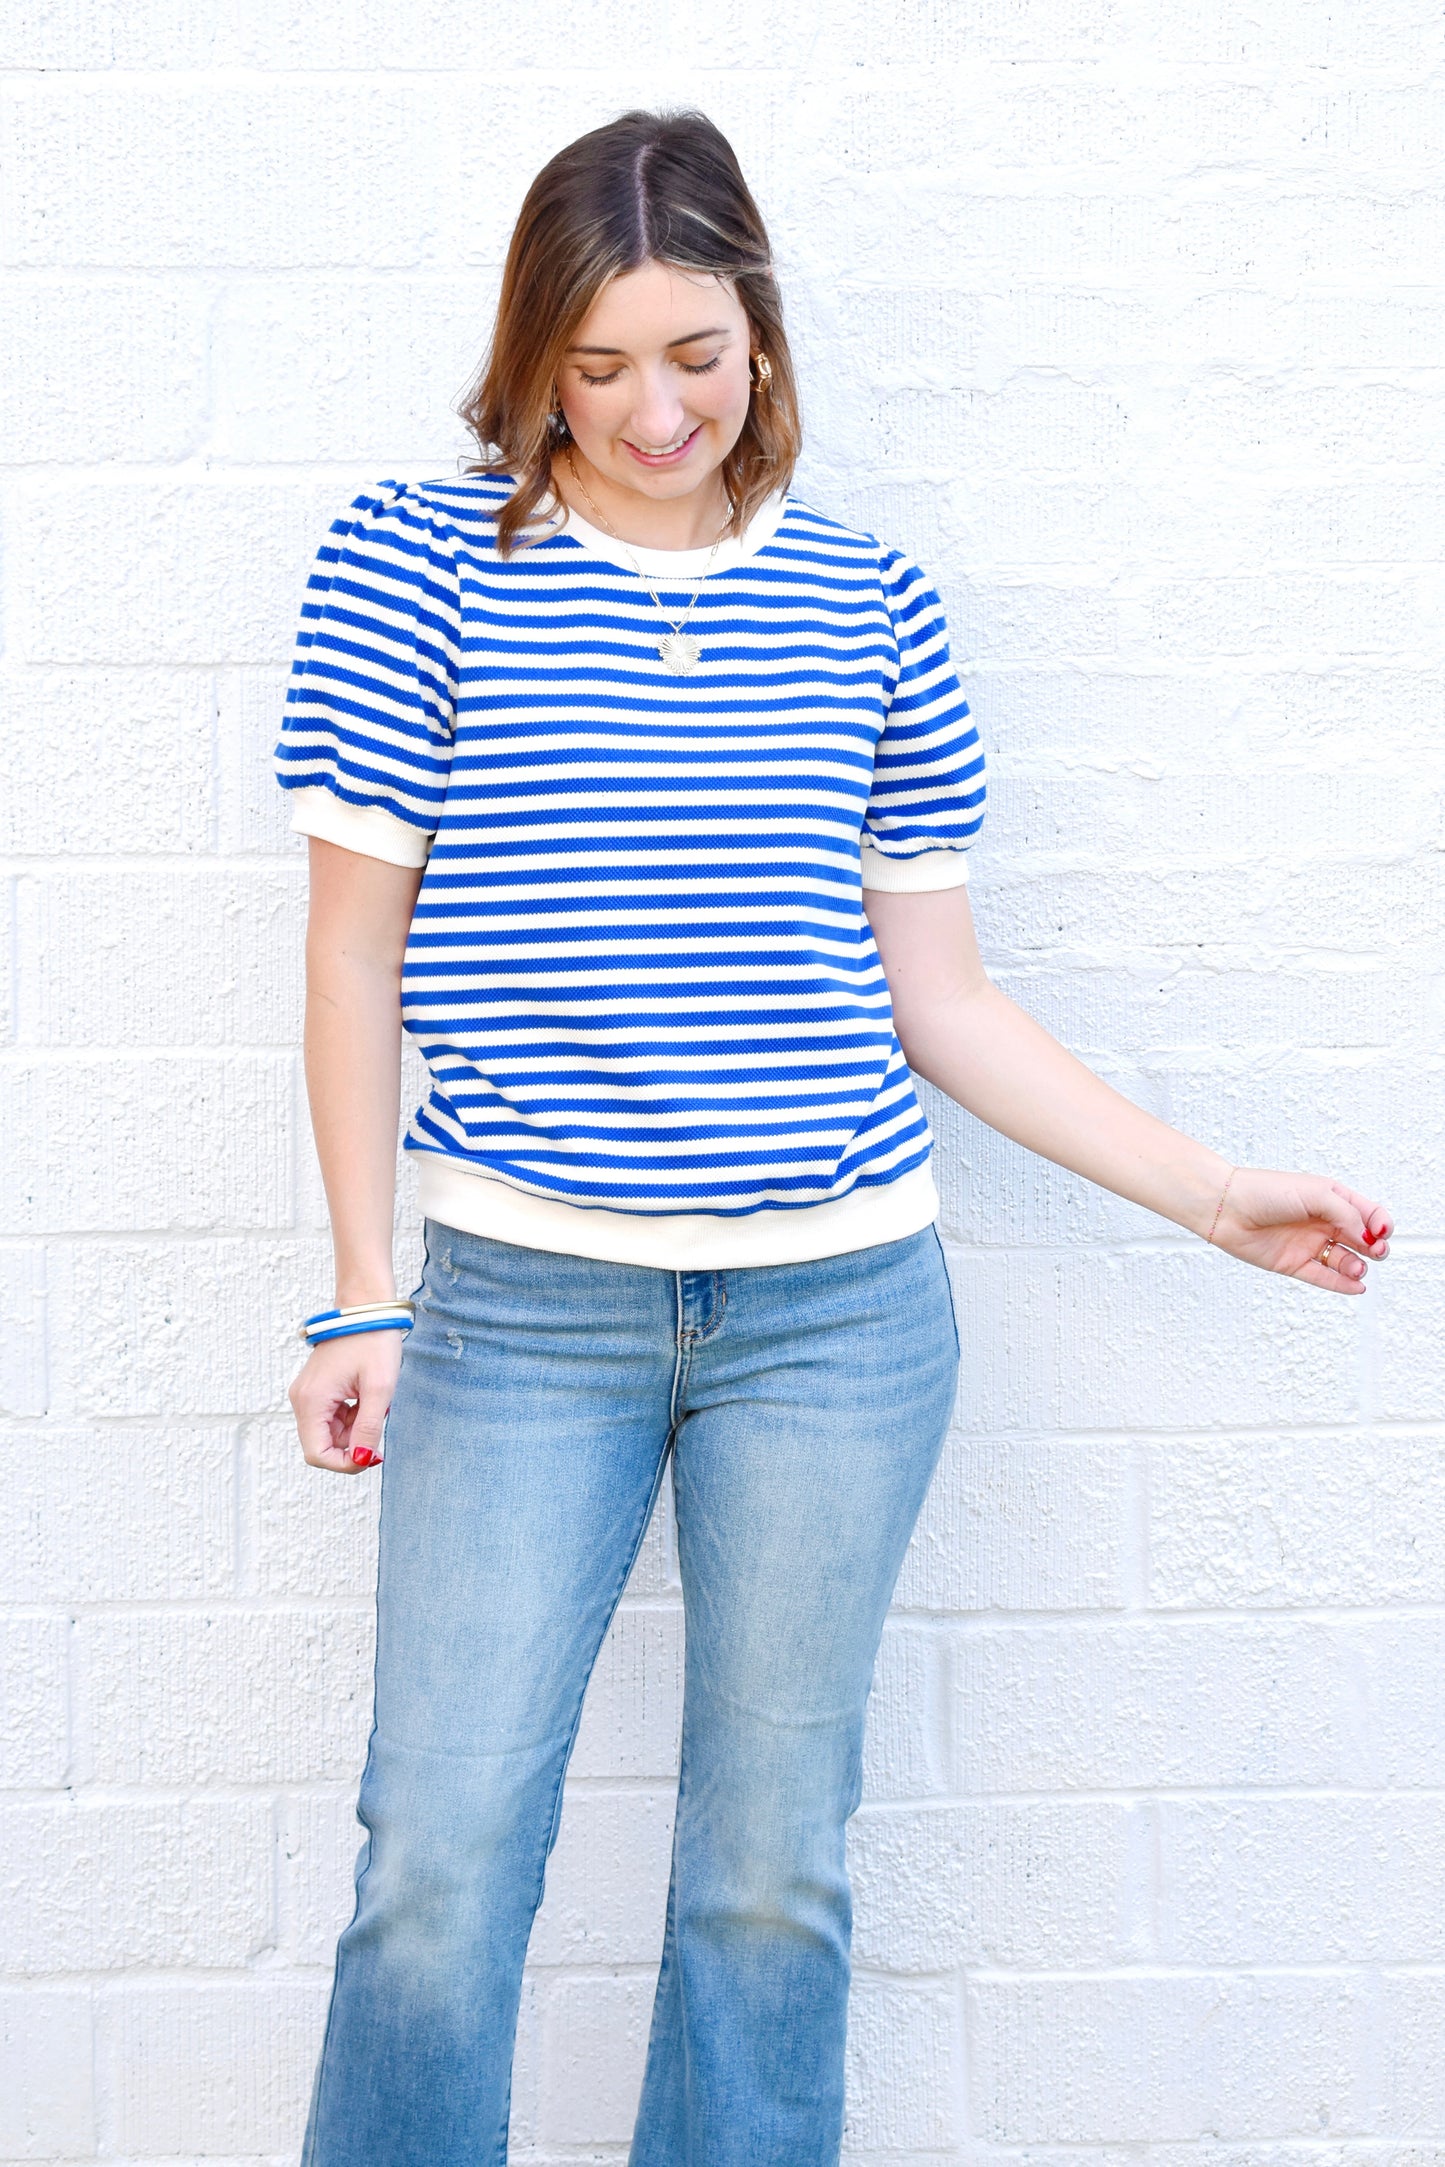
[(1127, 316)]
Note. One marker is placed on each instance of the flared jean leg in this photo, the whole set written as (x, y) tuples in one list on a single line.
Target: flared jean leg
[(811, 1427), (523, 1455)]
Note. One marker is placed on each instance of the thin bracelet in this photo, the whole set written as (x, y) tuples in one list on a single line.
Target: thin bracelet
[(362, 1317), (1220, 1205)]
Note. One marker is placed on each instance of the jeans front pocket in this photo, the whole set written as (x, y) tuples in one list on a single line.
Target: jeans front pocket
[(948, 1286)]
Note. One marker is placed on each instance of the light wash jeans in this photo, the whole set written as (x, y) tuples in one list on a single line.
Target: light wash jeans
[(804, 1406)]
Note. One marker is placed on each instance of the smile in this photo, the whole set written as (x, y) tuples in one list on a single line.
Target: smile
[(669, 457)]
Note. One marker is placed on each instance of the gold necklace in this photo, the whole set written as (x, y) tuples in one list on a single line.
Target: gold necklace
[(679, 650)]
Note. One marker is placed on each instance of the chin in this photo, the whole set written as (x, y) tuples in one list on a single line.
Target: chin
[(663, 481), (678, 482)]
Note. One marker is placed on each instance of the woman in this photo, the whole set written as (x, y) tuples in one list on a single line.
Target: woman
[(641, 793)]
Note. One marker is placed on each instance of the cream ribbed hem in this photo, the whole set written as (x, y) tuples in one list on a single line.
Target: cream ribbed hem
[(370, 830), (674, 1241), (923, 873)]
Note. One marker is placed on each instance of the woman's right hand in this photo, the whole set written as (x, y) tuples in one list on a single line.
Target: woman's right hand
[(341, 1397)]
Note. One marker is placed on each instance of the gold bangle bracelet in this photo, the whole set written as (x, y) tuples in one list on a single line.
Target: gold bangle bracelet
[(1220, 1205)]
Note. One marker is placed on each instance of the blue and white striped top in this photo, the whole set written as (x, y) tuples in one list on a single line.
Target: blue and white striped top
[(639, 968)]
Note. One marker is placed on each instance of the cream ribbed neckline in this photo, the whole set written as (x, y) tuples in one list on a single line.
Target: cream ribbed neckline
[(680, 567)]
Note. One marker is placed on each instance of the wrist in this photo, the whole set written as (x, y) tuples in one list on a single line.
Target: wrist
[(361, 1284), (1199, 1183)]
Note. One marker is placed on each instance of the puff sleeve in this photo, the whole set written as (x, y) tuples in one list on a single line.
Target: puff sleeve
[(927, 799), (366, 736)]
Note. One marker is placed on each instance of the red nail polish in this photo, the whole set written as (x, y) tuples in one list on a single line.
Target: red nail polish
[(363, 1456)]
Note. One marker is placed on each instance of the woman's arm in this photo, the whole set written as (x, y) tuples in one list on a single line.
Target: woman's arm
[(961, 1033), (359, 916)]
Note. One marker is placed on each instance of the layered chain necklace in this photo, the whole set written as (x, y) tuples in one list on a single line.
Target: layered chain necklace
[(679, 650)]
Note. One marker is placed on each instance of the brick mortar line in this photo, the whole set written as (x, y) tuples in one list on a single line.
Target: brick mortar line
[(64, 1798), (1364, 1427), (116, 1982), (960, 1624), (1429, 1430)]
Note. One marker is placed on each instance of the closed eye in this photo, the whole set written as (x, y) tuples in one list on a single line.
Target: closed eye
[(690, 368)]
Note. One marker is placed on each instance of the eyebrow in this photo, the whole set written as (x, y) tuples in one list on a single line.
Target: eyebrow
[(714, 331)]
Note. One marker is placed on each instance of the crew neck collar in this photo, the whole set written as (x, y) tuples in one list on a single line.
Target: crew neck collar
[(678, 566)]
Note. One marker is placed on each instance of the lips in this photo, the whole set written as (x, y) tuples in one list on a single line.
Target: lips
[(663, 458)]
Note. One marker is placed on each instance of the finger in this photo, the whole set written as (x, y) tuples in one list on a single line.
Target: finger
[(367, 1425), (1345, 1273), (335, 1454), (1375, 1222), (1352, 1223), (1321, 1275), (323, 1438)]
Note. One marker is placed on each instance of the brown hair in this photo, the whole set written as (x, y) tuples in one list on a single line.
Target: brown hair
[(648, 187)]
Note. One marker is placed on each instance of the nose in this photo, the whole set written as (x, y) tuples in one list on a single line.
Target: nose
[(658, 419)]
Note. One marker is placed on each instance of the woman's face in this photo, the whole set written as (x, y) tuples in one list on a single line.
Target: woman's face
[(655, 387)]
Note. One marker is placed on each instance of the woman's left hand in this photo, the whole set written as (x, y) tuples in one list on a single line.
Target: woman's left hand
[(1282, 1222)]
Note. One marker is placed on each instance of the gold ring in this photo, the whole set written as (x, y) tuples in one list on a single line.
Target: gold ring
[(1324, 1255)]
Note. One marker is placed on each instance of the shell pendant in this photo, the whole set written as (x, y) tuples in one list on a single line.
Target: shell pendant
[(680, 651)]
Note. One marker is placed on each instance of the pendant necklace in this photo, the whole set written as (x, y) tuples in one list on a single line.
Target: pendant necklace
[(678, 649)]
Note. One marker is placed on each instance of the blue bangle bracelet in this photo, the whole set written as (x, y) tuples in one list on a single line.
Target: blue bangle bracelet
[(349, 1331), (364, 1317)]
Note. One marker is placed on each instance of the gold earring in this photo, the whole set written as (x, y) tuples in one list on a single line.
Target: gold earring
[(765, 371)]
